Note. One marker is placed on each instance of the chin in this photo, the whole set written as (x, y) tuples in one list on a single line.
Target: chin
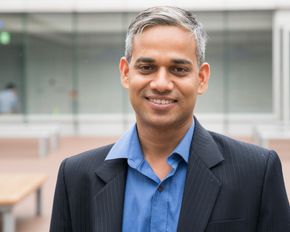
[(159, 122)]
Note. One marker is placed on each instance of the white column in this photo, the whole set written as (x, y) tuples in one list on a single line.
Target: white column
[(281, 69), (286, 31), (276, 68)]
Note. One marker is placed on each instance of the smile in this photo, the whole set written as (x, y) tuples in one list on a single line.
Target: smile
[(161, 101)]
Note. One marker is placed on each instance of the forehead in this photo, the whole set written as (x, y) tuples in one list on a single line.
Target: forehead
[(164, 41)]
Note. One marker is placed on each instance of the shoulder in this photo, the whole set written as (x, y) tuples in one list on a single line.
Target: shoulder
[(230, 144), (245, 164), (243, 153), (86, 161), (253, 175)]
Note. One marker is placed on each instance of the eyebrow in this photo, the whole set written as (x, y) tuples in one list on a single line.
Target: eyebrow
[(181, 61), (151, 60), (145, 60)]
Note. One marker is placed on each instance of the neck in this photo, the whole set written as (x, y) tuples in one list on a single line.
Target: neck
[(159, 142)]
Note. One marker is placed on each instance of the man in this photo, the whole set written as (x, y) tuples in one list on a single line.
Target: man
[(8, 99), (167, 173)]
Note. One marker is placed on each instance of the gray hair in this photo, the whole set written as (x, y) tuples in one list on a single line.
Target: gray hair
[(166, 15)]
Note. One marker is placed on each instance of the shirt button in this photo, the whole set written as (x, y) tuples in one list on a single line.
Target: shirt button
[(160, 188)]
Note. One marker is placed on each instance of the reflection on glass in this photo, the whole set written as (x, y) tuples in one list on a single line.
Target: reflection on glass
[(11, 56), (250, 72), (240, 55), (49, 55), (100, 45)]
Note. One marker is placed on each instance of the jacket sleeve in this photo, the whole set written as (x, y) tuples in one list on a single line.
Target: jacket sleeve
[(61, 219), (275, 211)]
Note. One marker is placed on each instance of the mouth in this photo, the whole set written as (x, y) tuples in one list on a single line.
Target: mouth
[(161, 101)]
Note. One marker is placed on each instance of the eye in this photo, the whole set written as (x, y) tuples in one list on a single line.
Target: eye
[(181, 71), (145, 68)]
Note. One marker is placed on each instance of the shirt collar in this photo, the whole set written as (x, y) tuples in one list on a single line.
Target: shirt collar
[(183, 147), (128, 146)]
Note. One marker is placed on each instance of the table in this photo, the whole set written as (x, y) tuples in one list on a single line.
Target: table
[(263, 133), (13, 189), (48, 137)]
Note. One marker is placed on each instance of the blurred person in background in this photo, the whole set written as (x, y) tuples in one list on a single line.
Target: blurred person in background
[(9, 99), (167, 173)]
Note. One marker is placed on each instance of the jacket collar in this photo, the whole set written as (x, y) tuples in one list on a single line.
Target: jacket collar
[(204, 146), (107, 206), (110, 169), (201, 185)]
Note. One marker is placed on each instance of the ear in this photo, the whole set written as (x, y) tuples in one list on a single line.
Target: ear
[(124, 70), (204, 75)]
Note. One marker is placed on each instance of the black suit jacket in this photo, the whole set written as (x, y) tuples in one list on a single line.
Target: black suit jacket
[(230, 187)]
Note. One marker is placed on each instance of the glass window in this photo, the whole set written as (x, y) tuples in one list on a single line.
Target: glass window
[(49, 63), (240, 54), (68, 63), (12, 55), (100, 44)]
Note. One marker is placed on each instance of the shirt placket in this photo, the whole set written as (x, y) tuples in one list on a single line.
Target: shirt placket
[(159, 209)]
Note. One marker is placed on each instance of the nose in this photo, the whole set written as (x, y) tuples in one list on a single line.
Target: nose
[(162, 82)]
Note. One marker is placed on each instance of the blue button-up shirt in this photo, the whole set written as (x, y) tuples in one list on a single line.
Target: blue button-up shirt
[(151, 204)]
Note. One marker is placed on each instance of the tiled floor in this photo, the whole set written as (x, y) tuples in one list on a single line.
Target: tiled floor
[(21, 156)]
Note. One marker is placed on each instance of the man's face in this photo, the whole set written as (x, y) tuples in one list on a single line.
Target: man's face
[(163, 78)]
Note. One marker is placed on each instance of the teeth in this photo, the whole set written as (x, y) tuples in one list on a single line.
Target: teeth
[(161, 101)]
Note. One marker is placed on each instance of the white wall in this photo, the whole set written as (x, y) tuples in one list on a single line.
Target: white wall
[(133, 5)]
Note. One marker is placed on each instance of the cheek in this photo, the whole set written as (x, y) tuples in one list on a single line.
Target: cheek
[(137, 85), (135, 91), (188, 89)]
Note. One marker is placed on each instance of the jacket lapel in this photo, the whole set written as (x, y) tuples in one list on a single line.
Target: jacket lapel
[(109, 200), (201, 186)]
